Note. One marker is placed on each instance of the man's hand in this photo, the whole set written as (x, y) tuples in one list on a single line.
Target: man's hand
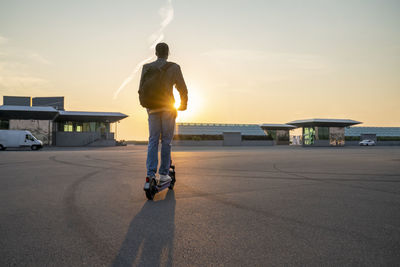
[(182, 108)]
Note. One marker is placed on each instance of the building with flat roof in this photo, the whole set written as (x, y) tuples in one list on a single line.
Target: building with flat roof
[(55, 102), (55, 126), (195, 131), (378, 134), (321, 132), (378, 131), (17, 100), (278, 132), (220, 133), (308, 132), (218, 129)]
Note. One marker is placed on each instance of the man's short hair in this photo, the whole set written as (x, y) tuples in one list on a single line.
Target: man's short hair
[(162, 50)]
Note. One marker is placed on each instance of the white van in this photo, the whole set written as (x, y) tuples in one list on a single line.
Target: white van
[(17, 138)]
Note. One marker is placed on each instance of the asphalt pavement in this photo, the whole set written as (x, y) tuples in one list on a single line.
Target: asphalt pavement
[(245, 206)]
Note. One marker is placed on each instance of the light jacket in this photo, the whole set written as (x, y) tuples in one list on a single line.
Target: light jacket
[(173, 77)]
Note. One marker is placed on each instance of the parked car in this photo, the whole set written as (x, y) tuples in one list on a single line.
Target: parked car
[(367, 143), (18, 138), (121, 143)]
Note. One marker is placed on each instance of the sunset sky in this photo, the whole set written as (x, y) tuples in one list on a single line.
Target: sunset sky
[(243, 61)]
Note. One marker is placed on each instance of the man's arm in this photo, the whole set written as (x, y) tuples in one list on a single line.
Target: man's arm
[(144, 70), (182, 89)]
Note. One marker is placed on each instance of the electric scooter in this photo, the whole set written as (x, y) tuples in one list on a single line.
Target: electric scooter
[(151, 187)]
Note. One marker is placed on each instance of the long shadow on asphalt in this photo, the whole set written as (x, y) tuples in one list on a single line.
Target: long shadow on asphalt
[(150, 236)]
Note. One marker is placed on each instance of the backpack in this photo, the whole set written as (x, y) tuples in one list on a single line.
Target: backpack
[(153, 93)]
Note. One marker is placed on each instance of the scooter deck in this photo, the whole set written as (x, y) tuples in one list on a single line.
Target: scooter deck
[(161, 187)]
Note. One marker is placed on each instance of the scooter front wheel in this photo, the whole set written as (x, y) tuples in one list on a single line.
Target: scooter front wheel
[(171, 185), (172, 175)]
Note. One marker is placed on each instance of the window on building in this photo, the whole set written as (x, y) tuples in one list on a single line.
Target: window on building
[(271, 134), (323, 133), (309, 135), (68, 127), (78, 126), (282, 135), (4, 124), (83, 127), (86, 127), (336, 136), (296, 137)]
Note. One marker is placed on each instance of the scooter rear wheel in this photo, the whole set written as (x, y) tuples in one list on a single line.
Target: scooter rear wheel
[(149, 195), (151, 192)]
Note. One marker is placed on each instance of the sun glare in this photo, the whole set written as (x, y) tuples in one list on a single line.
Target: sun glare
[(194, 107), (177, 100)]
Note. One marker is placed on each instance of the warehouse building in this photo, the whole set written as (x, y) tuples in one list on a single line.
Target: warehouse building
[(47, 119), (308, 132), (216, 130), (220, 134), (381, 135)]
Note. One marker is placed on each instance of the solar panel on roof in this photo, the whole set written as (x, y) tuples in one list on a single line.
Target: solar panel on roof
[(379, 131), (218, 129)]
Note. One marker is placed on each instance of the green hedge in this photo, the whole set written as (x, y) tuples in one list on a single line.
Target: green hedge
[(202, 137), (205, 137), (134, 142), (256, 137), (352, 138), (388, 138), (253, 137), (379, 138)]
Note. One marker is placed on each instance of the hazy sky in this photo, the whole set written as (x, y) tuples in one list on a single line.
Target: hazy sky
[(243, 61)]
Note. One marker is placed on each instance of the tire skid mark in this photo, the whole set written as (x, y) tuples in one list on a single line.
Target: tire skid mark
[(196, 195), (75, 217), (75, 220), (196, 159), (17, 162), (105, 160), (267, 214), (55, 159), (340, 184), (308, 172), (293, 178), (120, 163), (205, 194)]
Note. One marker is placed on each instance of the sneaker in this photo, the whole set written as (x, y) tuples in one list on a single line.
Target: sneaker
[(165, 178)]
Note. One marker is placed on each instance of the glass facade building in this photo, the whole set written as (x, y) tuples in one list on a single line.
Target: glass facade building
[(320, 132), (317, 135), (279, 133)]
